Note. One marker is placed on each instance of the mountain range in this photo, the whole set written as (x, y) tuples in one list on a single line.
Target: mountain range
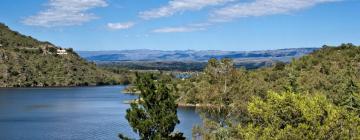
[(193, 55)]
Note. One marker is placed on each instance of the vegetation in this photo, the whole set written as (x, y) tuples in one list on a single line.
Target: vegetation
[(291, 116), (155, 114), (179, 66), (27, 62), (298, 116), (164, 66), (314, 97), (309, 98)]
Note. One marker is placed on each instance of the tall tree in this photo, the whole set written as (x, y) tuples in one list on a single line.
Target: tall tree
[(216, 96), (154, 115)]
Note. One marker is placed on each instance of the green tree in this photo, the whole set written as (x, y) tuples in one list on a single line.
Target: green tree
[(219, 75), (218, 97), (351, 98), (154, 115), (298, 116)]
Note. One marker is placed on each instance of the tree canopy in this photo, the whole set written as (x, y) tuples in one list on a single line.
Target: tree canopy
[(298, 116), (154, 115)]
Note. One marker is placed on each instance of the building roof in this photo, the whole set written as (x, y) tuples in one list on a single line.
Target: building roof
[(61, 51)]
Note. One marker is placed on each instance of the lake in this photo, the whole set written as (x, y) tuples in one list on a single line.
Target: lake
[(72, 113)]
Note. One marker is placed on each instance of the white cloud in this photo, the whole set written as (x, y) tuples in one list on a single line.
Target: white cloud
[(203, 24), (177, 29), (65, 13), (263, 8), (120, 26), (175, 6), (229, 10)]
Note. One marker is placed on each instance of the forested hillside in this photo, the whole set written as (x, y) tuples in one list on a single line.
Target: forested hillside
[(314, 97), (27, 62), (330, 69)]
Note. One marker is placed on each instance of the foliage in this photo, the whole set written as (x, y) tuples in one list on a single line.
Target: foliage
[(155, 115), (351, 99), (179, 65), (328, 70), (298, 116), (151, 65), (222, 102), (225, 92)]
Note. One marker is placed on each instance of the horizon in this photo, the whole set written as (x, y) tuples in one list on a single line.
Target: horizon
[(227, 25), (205, 50)]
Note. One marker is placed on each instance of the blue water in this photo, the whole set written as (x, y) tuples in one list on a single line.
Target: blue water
[(96, 113)]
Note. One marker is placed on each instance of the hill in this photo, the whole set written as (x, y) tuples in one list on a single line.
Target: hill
[(27, 62), (332, 71)]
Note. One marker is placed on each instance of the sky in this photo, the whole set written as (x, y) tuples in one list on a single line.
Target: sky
[(185, 24)]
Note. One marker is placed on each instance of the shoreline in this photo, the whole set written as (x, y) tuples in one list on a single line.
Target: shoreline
[(180, 105), (50, 87)]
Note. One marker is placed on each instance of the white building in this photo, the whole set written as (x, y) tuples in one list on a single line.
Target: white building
[(61, 52)]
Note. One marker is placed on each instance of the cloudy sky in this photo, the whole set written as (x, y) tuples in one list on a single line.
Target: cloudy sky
[(185, 24)]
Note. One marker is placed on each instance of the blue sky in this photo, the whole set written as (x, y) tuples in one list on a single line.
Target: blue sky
[(185, 24)]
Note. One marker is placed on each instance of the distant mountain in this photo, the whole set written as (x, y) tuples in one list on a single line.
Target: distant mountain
[(192, 55), (27, 62)]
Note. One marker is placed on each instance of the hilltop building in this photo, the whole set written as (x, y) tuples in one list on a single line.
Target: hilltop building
[(61, 52)]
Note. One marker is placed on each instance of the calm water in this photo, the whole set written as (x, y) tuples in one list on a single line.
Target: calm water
[(71, 113)]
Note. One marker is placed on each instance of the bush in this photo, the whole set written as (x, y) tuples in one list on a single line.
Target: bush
[(298, 116)]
